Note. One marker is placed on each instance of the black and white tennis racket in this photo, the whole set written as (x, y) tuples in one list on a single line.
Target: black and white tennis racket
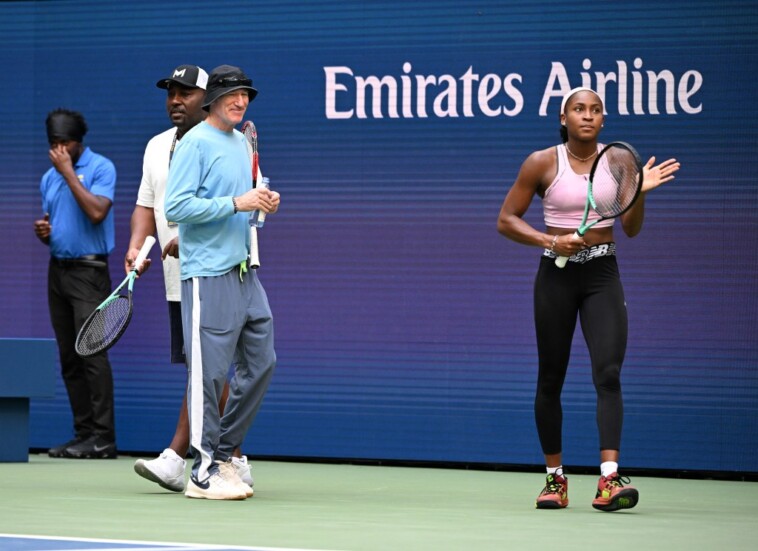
[(614, 185), (251, 140), (108, 322)]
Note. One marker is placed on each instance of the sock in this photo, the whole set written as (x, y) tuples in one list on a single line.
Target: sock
[(607, 468), (556, 471)]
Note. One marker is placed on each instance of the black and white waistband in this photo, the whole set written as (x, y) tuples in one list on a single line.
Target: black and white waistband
[(595, 251)]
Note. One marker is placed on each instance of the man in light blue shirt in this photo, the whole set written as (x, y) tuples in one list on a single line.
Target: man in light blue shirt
[(225, 312)]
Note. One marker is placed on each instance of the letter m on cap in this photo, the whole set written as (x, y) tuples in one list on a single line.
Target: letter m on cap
[(179, 73)]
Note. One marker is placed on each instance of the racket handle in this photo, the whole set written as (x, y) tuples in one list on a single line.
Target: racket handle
[(143, 252), (255, 260), (561, 260)]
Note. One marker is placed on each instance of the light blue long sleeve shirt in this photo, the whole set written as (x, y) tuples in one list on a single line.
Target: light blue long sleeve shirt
[(208, 168)]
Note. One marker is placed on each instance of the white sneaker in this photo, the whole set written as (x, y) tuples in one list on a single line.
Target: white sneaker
[(167, 470), (216, 487), (244, 471), (229, 472)]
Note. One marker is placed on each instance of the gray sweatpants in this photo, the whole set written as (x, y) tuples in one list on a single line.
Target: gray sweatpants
[(226, 320)]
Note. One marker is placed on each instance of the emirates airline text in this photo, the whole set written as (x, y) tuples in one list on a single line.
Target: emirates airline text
[(625, 90)]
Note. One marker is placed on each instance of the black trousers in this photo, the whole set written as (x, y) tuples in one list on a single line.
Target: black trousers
[(74, 291), (593, 292)]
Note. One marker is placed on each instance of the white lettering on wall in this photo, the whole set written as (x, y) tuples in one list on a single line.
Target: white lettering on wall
[(651, 92), (445, 96), (472, 93)]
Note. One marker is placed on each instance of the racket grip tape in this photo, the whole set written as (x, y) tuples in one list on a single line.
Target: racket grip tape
[(143, 252), (562, 260), (255, 260)]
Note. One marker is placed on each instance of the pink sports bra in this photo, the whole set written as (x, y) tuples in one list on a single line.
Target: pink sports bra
[(564, 199)]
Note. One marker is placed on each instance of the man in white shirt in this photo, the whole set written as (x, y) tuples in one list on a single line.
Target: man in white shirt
[(185, 93)]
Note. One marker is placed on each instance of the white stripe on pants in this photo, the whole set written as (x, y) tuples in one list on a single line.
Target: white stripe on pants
[(225, 319)]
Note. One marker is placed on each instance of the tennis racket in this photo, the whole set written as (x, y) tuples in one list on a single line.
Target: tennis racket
[(614, 185), (251, 140), (108, 322)]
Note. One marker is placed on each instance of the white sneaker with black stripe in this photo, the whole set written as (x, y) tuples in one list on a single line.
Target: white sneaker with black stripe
[(215, 487)]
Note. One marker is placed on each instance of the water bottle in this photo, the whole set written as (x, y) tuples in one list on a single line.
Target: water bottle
[(258, 217)]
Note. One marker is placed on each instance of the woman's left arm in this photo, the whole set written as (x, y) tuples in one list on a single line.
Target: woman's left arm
[(653, 176)]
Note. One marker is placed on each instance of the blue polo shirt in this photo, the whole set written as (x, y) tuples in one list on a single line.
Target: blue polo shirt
[(72, 234)]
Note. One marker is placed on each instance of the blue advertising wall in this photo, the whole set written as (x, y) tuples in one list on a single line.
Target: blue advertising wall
[(393, 131)]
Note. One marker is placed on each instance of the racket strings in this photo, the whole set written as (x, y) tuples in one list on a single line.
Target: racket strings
[(615, 183), (105, 326)]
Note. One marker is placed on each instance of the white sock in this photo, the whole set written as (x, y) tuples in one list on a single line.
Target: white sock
[(607, 468), (557, 471)]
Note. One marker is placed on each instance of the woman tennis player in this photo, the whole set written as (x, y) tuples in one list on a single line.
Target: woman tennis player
[(589, 286)]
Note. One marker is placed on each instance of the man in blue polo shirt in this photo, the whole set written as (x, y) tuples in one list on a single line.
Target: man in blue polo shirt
[(77, 195)]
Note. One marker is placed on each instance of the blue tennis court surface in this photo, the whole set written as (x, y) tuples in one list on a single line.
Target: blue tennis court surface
[(11, 542)]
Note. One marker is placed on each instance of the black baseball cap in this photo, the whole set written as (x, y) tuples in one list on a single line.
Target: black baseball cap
[(190, 76)]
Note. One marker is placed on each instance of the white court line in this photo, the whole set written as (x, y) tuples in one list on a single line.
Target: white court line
[(152, 545)]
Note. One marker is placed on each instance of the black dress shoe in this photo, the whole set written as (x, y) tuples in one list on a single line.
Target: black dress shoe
[(95, 447), (60, 451)]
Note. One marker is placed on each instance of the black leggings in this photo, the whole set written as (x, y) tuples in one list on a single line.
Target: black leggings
[(594, 291)]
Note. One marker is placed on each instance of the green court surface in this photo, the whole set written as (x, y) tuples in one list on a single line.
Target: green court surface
[(356, 507)]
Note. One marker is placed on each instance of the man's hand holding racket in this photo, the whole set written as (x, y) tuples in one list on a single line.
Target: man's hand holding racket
[(171, 249), (130, 260)]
